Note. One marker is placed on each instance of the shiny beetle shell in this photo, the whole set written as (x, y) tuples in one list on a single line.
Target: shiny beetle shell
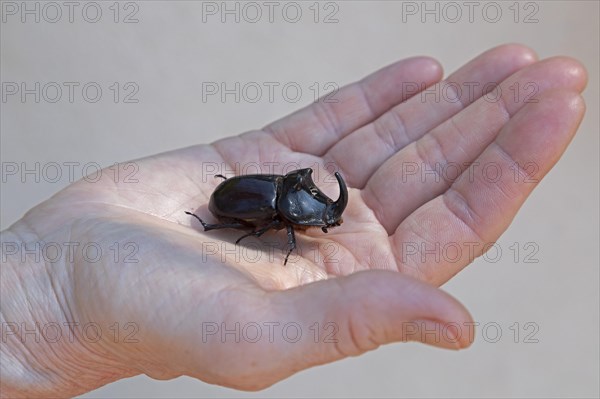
[(264, 202)]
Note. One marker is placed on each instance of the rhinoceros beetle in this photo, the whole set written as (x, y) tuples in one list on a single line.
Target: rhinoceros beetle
[(264, 202)]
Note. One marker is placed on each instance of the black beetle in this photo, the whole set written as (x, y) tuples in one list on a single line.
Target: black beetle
[(266, 202)]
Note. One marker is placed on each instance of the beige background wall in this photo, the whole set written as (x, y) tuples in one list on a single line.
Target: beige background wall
[(170, 51)]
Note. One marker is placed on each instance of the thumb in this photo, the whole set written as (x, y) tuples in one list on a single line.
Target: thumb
[(350, 315)]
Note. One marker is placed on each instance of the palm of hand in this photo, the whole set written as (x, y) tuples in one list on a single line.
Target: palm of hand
[(185, 277)]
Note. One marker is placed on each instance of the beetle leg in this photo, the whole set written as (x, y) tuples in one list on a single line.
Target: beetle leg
[(221, 176), (258, 233), (209, 226), (291, 242)]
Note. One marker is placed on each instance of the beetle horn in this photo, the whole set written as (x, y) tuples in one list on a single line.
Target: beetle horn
[(342, 200)]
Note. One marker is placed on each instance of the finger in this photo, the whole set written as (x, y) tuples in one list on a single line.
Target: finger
[(443, 236), (357, 313), (317, 127), (407, 122), (426, 168)]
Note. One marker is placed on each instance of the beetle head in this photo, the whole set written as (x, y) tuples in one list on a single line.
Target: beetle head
[(301, 201)]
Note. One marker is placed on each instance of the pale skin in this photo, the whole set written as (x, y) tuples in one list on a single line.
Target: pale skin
[(374, 289)]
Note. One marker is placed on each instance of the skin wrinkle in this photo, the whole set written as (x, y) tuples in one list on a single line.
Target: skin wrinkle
[(271, 156), (54, 290), (410, 264), (484, 139), (386, 133), (468, 217), (510, 197), (119, 190), (282, 131), (419, 133), (396, 254), (49, 375), (451, 84), (425, 156), (198, 187), (270, 130), (523, 174), (421, 152), (369, 342), (216, 147), (323, 112), (367, 100), (165, 194), (372, 202), (337, 285), (400, 126), (357, 344), (351, 269), (462, 136), (504, 109), (375, 256), (20, 348)]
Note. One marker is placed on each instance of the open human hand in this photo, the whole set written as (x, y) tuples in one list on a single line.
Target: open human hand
[(198, 305)]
